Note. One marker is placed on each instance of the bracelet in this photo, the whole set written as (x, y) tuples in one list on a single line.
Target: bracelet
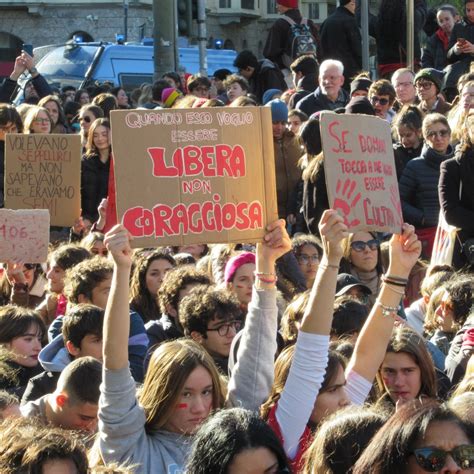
[(396, 278), (393, 282), (268, 281), (402, 293), (388, 310), (263, 273), (329, 265)]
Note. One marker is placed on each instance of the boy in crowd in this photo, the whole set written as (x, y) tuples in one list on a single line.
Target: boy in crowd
[(74, 403), (61, 260), (81, 337), (212, 318), (177, 284), (382, 96), (89, 282)]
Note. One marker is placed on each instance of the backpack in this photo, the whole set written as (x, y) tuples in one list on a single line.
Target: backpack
[(301, 40)]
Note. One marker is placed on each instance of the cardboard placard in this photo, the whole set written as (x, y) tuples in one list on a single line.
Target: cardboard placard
[(44, 172), (360, 171), (24, 235), (194, 175)]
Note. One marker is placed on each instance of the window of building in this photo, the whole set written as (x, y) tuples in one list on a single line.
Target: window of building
[(248, 4), (271, 6), (313, 11), (225, 3)]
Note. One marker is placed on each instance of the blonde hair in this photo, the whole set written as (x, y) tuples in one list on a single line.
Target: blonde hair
[(32, 115)]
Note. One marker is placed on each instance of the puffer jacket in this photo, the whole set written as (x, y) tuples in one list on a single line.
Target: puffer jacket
[(419, 188), (434, 55), (266, 76)]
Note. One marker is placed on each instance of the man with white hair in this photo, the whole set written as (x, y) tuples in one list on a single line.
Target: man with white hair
[(403, 81), (329, 95)]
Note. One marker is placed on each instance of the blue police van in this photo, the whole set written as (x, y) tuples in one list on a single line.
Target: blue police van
[(125, 65)]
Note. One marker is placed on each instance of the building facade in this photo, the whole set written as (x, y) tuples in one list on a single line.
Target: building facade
[(232, 24)]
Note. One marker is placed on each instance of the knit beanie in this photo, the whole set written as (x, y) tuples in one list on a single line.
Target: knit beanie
[(279, 110), (169, 96), (235, 263), (432, 75), (360, 105), (288, 3), (360, 85), (269, 94)]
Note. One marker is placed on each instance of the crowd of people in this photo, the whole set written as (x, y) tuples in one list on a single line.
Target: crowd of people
[(316, 350)]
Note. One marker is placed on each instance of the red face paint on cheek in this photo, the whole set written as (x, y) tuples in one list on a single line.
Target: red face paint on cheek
[(182, 405)]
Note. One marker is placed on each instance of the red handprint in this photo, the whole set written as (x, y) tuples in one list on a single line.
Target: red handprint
[(397, 205), (344, 203)]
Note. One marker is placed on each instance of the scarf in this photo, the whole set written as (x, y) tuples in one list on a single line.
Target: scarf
[(443, 37)]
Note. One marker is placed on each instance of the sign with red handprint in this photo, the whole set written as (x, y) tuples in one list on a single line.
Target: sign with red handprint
[(360, 171)]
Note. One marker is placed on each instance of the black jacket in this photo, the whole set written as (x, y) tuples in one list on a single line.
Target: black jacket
[(23, 374), (8, 88), (279, 38), (419, 188), (315, 200), (317, 101), (457, 359), (306, 85), (434, 55), (341, 39), (461, 30), (458, 212), (403, 155), (94, 185), (266, 76), (40, 385)]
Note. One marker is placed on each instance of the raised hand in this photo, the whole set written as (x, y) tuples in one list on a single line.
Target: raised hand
[(117, 241), (333, 231), (275, 243), (15, 272), (405, 250)]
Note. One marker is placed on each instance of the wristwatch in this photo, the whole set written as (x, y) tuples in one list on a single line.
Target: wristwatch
[(33, 70)]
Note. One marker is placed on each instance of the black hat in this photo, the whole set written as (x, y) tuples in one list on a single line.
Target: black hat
[(362, 84), (345, 282), (360, 105)]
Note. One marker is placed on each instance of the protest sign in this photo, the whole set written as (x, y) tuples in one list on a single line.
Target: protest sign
[(44, 172), (24, 235), (194, 175), (360, 171)]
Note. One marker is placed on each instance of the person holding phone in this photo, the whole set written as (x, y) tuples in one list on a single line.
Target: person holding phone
[(34, 89)]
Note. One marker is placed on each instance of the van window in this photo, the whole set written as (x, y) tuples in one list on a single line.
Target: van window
[(132, 81)]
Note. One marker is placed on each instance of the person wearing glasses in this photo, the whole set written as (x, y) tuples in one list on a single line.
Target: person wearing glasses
[(87, 115), (382, 97), (420, 437), (308, 253), (362, 259), (419, 181), (38, 120), (212, 317), (428, 84), (403, 83), (199, 86)]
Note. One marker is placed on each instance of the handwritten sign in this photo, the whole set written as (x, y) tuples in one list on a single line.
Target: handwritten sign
[(360, 171), (44, 172), (187, 176), (24, 235)]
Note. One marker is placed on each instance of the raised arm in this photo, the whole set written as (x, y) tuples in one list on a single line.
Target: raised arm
[(311, 353), (375, 335), (117, 315), (252, 377)]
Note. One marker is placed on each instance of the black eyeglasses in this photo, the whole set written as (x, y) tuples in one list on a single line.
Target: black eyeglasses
[(382, 101), (85, 119), (360, 245), (424, 85), (29, 266), (433, 459), (223, 330), (440, 133)]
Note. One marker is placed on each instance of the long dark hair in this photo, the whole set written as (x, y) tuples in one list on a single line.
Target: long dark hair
[(228, 433), (91, 149)]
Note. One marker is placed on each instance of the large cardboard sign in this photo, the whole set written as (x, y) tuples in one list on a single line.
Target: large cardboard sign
[(24, 235), (44, 172), (194, 175), (360, 171)]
